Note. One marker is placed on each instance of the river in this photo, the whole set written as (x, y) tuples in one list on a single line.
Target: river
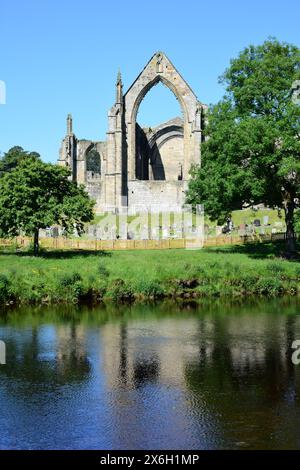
[(165, 376)]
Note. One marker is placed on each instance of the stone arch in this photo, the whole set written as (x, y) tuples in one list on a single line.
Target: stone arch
[(148, 87), (160, 69), (149, 164), (165, 132), (164, 167)]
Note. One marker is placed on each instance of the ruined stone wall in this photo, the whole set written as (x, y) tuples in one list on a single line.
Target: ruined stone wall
[(172, 158), (165, 195), (171, 147)]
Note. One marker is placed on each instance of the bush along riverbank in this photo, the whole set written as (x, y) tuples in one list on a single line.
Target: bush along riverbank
[(136, 276)]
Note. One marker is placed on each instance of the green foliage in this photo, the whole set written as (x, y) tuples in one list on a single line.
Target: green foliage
[(269, 286), (13, 157), (4, 288), (71, 287), (149, 288), (35, 195), (69, 279), (252, 154), (120, 291), (297, 221)]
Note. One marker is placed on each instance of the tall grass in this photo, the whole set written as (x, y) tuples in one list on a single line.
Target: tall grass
[(129, 275)]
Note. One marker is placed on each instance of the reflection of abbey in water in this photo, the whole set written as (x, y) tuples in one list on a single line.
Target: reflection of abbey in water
[(231, 347), (135, 165)]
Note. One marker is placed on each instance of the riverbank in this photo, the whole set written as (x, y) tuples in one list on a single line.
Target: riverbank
[(84, 277)]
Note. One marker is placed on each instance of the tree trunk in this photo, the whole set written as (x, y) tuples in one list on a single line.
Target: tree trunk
[(36, 242), (289, 207)]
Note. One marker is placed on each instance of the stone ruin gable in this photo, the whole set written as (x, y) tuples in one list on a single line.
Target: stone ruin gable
[(161, 69), (171, 148)]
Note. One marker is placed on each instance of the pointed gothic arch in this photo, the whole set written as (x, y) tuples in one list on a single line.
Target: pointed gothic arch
[(152, 162), (160, 69), (158, 79)]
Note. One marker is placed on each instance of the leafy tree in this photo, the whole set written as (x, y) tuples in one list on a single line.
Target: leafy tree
[(252, 150), (36, 195), (13, 157)]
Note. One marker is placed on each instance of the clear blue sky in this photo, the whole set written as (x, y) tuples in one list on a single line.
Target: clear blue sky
[(63, 56)]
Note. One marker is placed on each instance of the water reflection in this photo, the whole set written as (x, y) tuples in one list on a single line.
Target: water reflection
[(46, 354), (164, 376)]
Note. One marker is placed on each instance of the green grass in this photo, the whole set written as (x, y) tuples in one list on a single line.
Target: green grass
[(247, 216), (77, 277)]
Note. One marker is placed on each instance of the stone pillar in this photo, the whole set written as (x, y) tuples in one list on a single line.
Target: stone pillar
[(196, 137), (68, 150), (114, 168), (69, 125)]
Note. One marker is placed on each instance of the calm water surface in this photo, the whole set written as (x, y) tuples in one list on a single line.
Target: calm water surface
[(151, 377)]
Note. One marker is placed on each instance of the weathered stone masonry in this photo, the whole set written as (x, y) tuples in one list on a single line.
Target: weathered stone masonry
[(139, 166)]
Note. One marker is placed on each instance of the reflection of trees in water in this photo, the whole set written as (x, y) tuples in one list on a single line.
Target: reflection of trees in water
[(66, 363), (123, 354), (237, 366), (146, 370), (246, 378), (135, 369), (71, 356)]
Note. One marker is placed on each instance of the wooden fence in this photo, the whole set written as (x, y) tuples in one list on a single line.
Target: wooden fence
[(97, 245)]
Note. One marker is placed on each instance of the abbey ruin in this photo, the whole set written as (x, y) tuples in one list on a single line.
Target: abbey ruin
[(139, 166)]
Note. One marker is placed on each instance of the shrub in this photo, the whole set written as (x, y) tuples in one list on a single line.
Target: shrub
[(4, 288), (246, 282), (101, 290), (71, 287), (69, 279), (210, 290), (150, 288), (33, 293), (269, 286), (118, 290), (292, 288)]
